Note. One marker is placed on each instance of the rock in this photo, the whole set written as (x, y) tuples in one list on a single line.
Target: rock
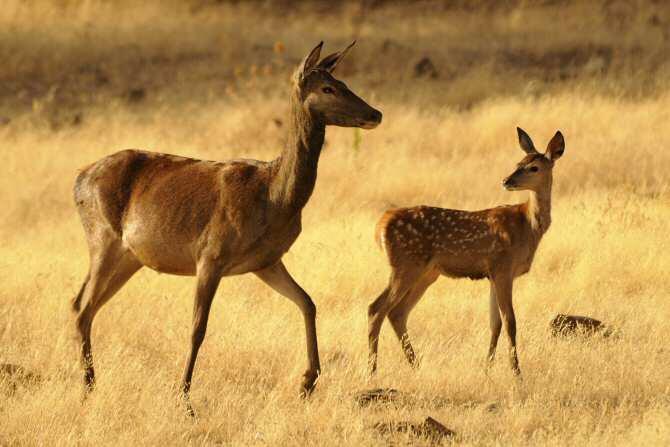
[(425, 68), (654, 20), (15, 375), (432, 429), (135, 95), (390, 45), (377, 395), (573, 324), (493, 407), (429, 429), (388, 428), (77, 119)]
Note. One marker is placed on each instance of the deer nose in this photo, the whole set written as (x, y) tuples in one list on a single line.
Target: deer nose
[(507, 182), (375, 116)]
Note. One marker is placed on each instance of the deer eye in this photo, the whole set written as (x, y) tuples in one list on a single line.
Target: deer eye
[(533, 169), (328, 90)]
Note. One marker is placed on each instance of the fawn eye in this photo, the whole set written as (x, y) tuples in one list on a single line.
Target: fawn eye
[(328, 90), (533, 169)]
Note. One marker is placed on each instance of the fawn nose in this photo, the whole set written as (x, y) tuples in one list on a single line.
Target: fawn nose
[(508, 182)]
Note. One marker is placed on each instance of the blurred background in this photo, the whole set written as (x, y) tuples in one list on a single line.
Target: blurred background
[(62, 58)]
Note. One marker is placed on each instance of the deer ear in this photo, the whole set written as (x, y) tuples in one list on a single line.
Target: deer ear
[(310, 61), (555, 147), (329, 62), (525, 142)]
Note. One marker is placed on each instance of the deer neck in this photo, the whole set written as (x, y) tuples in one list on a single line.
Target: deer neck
[(538, 210), (294, 176)]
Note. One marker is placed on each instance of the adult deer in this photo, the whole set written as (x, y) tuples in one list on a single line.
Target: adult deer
[(212, 219), (423, 243)]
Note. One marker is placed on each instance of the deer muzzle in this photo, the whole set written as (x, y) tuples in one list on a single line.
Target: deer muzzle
[(509, 183), (372, 120)]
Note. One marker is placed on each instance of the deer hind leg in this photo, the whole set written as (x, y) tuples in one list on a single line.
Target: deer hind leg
[(377, 310), (111, 267), (279, 279), (400, 313), (399, 286)]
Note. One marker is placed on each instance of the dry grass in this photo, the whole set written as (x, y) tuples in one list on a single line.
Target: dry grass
[(605, 255)]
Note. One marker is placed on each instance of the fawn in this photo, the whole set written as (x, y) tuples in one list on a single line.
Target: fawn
[(424, 242)]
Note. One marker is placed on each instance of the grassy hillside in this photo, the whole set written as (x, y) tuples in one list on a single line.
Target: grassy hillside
[(210, 79)]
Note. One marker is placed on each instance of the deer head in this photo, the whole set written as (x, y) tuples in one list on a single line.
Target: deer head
[(328, 99), (534, 171)]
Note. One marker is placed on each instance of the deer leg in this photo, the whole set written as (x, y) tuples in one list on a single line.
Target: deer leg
[(495, 323), (208, 281), (108, 273), (400, 313), (503, 291), (377, 311), (279, 279), (399, 286), (76, 302)]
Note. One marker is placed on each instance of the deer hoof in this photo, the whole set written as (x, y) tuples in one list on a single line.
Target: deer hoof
[(308, 383), (89, 382), (190, 412)]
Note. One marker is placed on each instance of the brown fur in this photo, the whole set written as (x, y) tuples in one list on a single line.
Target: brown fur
[(422, 243), (211, 219)]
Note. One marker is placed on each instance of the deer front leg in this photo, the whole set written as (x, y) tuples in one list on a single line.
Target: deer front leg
[(495, 323), (208, 281), (503, 291), (279, 279)]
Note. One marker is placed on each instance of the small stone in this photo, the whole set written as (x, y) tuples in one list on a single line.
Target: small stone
[(377, 395), (136, 95), (16, 375), (563, 325), (425, 68), (430, 429), (492, 407)]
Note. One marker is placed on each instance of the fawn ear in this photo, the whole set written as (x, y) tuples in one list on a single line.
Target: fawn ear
[(329, 62), (555, 147), (525, 142), (310, 61)]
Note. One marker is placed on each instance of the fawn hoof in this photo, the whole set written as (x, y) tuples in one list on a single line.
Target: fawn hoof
[(372, 366), (189, 410), (89, 382), (309, 383), (415, 363)]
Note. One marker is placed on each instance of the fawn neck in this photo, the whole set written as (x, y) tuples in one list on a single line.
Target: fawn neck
[(293, 180), (538, 209)]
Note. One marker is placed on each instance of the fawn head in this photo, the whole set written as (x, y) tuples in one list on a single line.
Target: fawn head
[(533, 172), (329, 99)]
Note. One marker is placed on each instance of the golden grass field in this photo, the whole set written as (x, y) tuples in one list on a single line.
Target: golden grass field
[(214, 92)]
